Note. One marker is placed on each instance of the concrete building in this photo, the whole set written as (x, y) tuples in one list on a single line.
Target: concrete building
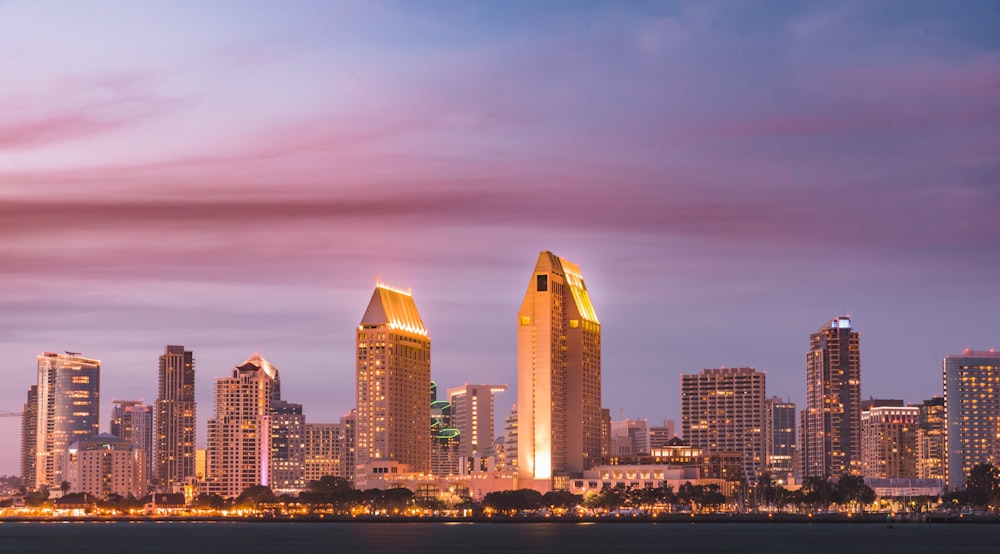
[(972, 411), (29, 438), (889, 441), (510, 440), (174, 419), (931, 428), (132, 421), (68, 409), (723, 410), (239, 437), (105, 465), (659, 436), (781, 439), (832, 426), (472, 414), (393, 377), (629, 437), (558, 376), (323, 456), (348, 443), (288, 449), (444, 436)]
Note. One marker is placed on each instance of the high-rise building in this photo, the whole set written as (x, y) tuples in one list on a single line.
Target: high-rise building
[(832, 430), (629, 437), (105, 465), (174, 419), (660, 435), (68, 401), (29, 437), (558, 376), (972, 411), (781, 437), (323, 455), (239, 445), (348, 443), (510, 440), (132, 421), (931, 429), (393, 377), (288, 448), (722, 410), (889, 441), (472, 415), (445, 437)]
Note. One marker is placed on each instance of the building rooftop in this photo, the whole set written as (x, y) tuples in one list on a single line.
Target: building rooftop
[(257, 362), (394, 308)]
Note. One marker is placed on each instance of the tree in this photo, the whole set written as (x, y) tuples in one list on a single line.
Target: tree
[(561, 499), (982, 485), (852, 488), (64, 487), (513, 501), (255, 495), (329, 484), (818, 492)]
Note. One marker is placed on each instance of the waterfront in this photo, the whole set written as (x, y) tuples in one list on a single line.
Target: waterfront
[(250, 537)]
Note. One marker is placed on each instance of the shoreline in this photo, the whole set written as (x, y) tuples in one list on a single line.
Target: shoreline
[(798, 519)]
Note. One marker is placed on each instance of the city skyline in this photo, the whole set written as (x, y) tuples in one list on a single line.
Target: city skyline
[(729, 175)]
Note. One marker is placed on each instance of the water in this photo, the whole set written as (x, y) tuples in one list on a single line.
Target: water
[(476, 538)]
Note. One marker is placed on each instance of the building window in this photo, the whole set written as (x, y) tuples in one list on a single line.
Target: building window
[(542, 283)]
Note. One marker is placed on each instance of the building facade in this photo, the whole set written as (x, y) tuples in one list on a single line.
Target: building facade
[(931, 428), (889, 442), (723, 409), (393, 377), (29, 437), (781, 438), (972, 411), (832, 426), (558, 375), (132, 421), (323, 457), (288, 449), (239, 437), (68, 409), (106, 465), (472, 414), (174, 419)]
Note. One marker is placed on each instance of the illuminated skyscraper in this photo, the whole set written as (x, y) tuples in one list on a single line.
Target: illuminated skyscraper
[(781, 437), (68, 400), (889, 440), (174, 419), (558, 375), (931, 429), (29, 437), (972, 412), (288, 448), (472, 415), (832, 430), (132, 421), (722, 410), (239, 436), (393, 377)]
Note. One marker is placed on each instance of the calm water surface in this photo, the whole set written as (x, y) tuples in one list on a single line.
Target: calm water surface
[(476, 538)]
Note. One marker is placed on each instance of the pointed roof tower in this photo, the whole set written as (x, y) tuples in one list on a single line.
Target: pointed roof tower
[(395, 308)]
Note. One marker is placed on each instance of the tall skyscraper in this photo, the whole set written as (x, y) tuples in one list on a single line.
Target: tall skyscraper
[(29, 437), (889, 441), (323, 456), (132, 421), (931, 428), (832, 429), (288, 448), (393, 377), (781, 437), (972, 411), (558, 375), (348, 444), (722, 410), (472, 415), (239, 445), (510, 440), (174, 419), (68, 408)]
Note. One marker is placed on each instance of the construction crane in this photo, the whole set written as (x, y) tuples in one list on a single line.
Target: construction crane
[(11, 414)]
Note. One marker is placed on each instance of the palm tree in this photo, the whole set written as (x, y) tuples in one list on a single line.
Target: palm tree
[(64, 487)]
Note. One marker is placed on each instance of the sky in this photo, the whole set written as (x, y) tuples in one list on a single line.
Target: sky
[(235, 176)]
